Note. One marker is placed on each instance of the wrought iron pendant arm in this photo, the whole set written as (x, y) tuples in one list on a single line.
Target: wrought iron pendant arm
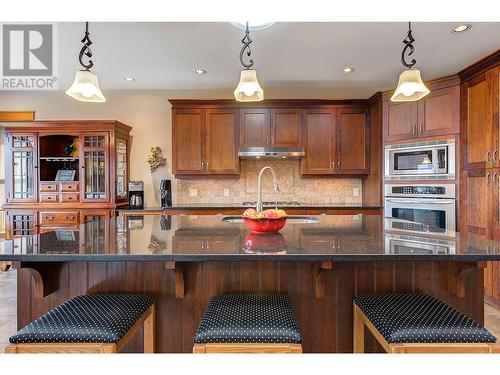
[(408, 49), (86, 51), (246, 46)]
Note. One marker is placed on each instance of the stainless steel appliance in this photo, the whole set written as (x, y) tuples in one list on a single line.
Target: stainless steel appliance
[(271, 152), (166, 193), (136, 194), (269, 203), (423, 159), (402, 244), (421, 208)]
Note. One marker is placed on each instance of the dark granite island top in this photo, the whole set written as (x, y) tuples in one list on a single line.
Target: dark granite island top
[(184, 238)]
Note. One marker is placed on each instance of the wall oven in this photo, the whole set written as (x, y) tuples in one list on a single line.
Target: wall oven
[(400, 244), (421, 208), (433, 158)]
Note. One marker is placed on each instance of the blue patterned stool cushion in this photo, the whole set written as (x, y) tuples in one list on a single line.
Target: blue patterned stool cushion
[(410, 318), (248, 318), (101, 318)]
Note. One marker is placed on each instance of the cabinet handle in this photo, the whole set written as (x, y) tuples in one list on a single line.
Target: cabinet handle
[(338, 166), (202, 165), (488, 180), (333, 166), (421, 128), (413, 129), (494, 181), (494, 160), (488, 160)]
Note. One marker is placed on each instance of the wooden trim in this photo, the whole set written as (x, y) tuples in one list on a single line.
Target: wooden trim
[(17, 116), (481, 66), (72, 125), (248, 348), (319, 278), (360, 321), (4, 266), (146, 321), (180, 285), (271, 103)]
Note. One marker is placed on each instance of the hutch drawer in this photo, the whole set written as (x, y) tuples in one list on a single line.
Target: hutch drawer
[(48, 186), (70, 197), (49, 197), (69, 186), (66, 218)]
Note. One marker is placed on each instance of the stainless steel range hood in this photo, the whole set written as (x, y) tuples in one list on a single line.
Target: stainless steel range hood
[(271, 152)]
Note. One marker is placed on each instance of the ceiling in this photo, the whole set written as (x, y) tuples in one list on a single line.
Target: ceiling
[(289, 57)]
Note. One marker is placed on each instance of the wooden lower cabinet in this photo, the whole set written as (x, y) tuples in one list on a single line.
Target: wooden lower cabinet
[(492, 283), (25, 222)]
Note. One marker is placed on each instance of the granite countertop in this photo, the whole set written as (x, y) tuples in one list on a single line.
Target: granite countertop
[(207, 238), (204, 206)]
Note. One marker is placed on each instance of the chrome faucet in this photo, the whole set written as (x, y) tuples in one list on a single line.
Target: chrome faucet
[(259, 187)]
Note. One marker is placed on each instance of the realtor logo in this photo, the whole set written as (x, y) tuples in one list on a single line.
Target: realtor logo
[(28, 57)]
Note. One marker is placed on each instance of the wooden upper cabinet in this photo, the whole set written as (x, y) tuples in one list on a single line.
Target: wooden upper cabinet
[(286, 127), (400, 121), (435, 114), (439, 112), (255, 127), (319, 142), (353, 140), (478, 129), (188, 132), (221, 142)]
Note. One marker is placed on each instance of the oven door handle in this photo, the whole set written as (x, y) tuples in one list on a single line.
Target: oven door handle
[(421, 201)]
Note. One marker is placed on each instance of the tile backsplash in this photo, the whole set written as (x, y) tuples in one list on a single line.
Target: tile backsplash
[(293, 188)]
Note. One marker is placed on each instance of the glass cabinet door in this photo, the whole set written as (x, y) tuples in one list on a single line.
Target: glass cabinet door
[(121, 168), (95, 174), (22, 169)]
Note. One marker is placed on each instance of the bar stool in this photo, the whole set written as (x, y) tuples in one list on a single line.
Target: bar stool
[(418, 323), (97, 323), (248, 323)]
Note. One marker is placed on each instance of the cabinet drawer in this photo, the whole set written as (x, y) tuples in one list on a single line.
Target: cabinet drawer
[(69, 186), (49, 197), (58, 218), (70, 197), (48, 186)]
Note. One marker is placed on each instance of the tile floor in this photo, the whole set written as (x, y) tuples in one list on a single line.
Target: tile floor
[(8, 310)]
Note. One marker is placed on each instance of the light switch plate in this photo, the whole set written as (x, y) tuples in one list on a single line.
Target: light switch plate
[(355, 192), (193, 193), (226, 192)]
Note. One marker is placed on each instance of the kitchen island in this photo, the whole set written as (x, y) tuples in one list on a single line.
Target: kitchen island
[(321, 262)]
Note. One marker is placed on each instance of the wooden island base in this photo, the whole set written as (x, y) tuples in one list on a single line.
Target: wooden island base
[(321, 292)]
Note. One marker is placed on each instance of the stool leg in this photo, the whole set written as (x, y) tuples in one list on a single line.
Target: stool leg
[(149, 332), (358, 332)]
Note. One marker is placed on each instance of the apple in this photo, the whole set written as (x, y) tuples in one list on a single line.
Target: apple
[(281, 213), (250, 212), (271, 214)]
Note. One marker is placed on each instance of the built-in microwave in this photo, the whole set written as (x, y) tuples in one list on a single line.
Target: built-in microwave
[(422, 159)]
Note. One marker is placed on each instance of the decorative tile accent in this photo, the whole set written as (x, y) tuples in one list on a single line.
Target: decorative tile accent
[(327, 190)]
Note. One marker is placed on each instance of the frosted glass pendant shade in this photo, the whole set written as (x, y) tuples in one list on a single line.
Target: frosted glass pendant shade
[(410, 87), (85, 88), (248, 89)]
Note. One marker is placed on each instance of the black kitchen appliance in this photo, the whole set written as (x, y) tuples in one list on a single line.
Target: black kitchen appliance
[(166, 193), (136, 194)]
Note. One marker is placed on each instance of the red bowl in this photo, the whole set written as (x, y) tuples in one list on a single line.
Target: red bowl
[(265, 225)]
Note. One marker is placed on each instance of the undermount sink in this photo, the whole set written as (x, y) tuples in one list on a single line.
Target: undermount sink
[(289, 219)]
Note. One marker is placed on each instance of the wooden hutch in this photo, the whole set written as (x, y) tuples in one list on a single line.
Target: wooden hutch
[(91, 159)]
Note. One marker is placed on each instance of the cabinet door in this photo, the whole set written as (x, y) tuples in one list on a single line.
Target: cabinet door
[(255, 127), (477, 126), (121, 168), (22, 168), (221, 142), (476, 201), (286, 127), (188, 129), (21, 223), (319, 142), (400, 121), (439, 112), (353, 142), (94, 162)]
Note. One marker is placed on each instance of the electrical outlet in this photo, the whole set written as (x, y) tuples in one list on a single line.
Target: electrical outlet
[(226, 192), (355, 192), (193, 193)]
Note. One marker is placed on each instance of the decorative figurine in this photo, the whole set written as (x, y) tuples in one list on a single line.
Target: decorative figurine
[(156, 159)]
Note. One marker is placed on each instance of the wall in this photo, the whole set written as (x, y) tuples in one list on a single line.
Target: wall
[(149, 113), (2, 180), (292, 187)]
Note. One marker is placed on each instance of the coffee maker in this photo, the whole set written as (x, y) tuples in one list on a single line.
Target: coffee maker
[(166, 193), (136, 194)]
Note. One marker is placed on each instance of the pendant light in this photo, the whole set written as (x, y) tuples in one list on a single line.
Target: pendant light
[(410, 85), (248, 89), (85, 87)]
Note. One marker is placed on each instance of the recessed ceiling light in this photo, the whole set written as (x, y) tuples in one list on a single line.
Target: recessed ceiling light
[(252, 26), (348, 70), (461, 28), (130, 79), (200, 71)]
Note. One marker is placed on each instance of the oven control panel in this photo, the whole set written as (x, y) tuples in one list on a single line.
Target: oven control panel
[(420, 190), (437, 190)]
